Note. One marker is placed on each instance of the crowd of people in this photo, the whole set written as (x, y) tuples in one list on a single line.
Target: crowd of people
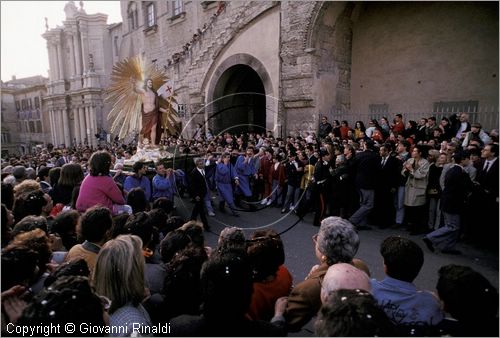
[(80, 231)]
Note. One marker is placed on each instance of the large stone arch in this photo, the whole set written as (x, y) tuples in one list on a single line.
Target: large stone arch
[(220, 75)]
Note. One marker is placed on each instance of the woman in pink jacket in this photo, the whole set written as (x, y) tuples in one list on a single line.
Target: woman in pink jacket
[(98, 187)]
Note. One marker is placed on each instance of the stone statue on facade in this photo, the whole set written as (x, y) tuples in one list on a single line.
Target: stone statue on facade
[(91, 62)]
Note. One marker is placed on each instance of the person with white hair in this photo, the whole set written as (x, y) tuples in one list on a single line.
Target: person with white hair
[(336, 242)]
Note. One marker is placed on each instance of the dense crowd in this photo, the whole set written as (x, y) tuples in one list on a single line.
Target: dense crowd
[(85, 241)]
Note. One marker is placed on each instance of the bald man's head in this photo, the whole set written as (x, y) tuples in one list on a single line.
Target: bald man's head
[(344, 276)]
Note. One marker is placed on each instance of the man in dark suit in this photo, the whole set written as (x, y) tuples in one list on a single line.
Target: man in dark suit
[(65, 158), (367, 166), (485, 198), (457, 185), (387, 185), (487, 176), (323, 171), (198, 189)]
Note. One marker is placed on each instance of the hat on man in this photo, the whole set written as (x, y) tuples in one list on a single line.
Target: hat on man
[(476, 125), (19, 172), (323, 152)]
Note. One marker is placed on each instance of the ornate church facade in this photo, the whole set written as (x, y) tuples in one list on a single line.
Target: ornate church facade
[(279, 66)]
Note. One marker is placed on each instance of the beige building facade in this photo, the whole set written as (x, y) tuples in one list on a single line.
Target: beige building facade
[(24, 126), (279, 66), (80, 60), (303, 59)]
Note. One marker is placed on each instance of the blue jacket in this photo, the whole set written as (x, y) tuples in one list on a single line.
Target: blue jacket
[(163, 187), (244, 172), (404, 304), (132, 182)]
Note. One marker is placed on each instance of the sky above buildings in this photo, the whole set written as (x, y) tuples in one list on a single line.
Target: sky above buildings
[(23, 50)]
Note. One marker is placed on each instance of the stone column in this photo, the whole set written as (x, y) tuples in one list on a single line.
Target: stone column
[(72, 55), (78, 59), (93, 121), (66, 130), (56, 126), (51, 70), (59, 61), (53, 63), (52, 127), (83, 129), (87, 124), (60, 127), (76, 122)]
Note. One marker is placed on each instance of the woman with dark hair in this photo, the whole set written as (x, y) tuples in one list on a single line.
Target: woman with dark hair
[(411, 130), (64, 226), (99, 187), (359, 127), (37, 240), (19, 267), (446, 128), (385, 126), (272, 279), (136, 199), (71, 176), (54, 174), (181, 289)]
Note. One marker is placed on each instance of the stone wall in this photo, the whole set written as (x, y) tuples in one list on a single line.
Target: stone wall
[(409, 55), (327, 56), (297, 78)]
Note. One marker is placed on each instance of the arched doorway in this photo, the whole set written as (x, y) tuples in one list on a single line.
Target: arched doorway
[(239, 101)]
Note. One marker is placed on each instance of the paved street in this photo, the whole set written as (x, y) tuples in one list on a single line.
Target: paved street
[(300, 251), (300, 255)]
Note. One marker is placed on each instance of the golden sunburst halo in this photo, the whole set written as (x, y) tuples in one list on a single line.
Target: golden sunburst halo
[(125, 114)]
